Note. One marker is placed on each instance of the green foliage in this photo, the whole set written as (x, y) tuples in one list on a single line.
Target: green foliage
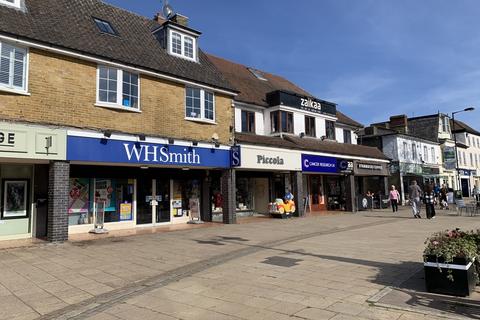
[(450, 244)]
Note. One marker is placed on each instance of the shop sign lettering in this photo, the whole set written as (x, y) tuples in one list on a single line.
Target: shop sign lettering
[(368, 166), (7, 139), (153, 153), (270, 160)]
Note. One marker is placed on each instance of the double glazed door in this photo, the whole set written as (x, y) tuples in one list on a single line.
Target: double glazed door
[(153, 201)]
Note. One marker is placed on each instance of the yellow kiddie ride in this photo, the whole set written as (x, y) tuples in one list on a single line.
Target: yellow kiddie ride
[(282, 208)]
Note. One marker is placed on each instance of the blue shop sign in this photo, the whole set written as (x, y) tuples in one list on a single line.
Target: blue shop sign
[(312, 163), (118, 151), (236, 154)]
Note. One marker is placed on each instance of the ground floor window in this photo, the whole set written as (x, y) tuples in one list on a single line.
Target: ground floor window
[(114, 195)]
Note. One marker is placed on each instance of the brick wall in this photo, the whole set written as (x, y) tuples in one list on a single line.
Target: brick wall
[(63, 92), (58, 188)]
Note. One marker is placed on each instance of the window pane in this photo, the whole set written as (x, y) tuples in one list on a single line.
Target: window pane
[(176, 43), (188, 43), (347, 136), (209, 105), (330, 129), (274, 120), (108, 84), (193, 106), (130, 90)]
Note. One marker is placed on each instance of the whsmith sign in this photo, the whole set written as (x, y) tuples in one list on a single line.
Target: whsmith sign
[(119, 151), (278, 98)]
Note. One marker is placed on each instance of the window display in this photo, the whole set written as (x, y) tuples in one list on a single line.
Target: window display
[(116, 195), (244, 194), (15, 199)]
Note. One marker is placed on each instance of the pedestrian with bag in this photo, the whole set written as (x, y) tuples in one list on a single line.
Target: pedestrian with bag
[(429, 200), (415, 193), (394, 197)]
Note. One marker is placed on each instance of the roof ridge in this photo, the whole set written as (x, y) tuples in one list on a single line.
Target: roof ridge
[(124, 10)]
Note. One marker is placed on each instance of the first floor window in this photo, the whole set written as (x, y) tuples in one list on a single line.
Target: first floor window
[(433, 155), (414, 152), (13, 67), (281, 121), (347, 136), (199, 104), (405, 150), (330, 129), (248, 121), (14, 3), (425, 153), (118, 87), (310, 126)]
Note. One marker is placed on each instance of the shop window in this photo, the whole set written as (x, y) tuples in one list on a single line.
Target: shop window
[(244, 195), (248, 121), (281, 121), (182, 45), (330, 129), (13, 67), (117, 88), (185, 194), (310, 129), (115, 196), (199, 104), (347, 136)]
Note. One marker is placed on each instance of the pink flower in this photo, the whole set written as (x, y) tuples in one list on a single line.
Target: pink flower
[(435, 243)]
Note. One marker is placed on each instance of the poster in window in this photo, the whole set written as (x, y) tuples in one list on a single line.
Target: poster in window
[(78, 195), (125, 211), (15, 198)]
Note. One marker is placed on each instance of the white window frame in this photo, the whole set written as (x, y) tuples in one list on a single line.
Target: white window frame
[(11, 88), (182, 38), (15, 4), (118, 104), (202, 106)]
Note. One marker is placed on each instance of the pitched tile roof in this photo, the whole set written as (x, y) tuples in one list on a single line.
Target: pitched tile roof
[(253, 90), (460, 126), (312, 145), (69, 24)]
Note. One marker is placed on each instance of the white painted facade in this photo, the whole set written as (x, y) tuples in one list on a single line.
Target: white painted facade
[(263, 124), (469, 158)]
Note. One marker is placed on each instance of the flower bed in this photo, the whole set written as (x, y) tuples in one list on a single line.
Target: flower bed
[(451, 261)]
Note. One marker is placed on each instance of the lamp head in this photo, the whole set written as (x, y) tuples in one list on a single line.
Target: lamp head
[(469, 109)]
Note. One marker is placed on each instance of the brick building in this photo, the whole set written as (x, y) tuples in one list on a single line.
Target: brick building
[(107, 112)]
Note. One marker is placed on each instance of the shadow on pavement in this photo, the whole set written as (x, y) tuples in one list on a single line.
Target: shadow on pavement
[(407, 291)]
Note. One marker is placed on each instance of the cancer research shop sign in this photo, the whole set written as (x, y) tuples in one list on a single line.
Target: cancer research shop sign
[(312, 163), (119, 151)]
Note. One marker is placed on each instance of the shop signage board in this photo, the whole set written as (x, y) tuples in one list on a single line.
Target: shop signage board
[(270, 158), (370, 168), (236, 156), (449, 158), (120, 151), (321, 164), (309, 104), (32, 142)]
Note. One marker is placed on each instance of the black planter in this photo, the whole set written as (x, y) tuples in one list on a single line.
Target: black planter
[(437, 281)]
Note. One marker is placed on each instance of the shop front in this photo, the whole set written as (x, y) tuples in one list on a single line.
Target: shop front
[(25, 154), (467, 180), (264, 175), (371, 177), (328, 183), (130, 183)]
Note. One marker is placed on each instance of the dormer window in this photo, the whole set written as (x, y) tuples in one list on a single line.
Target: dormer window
[(182, 45), (11, 3)]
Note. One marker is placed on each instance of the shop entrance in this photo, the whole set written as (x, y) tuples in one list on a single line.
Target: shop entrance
[(465, 188), (317, 193), (153, 201)]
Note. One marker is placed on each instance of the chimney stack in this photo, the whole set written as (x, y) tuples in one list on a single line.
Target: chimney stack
[(180, 19), (399, 123)]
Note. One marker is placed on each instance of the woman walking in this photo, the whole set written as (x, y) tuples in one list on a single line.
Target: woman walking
[(429, 199), (394, 196)]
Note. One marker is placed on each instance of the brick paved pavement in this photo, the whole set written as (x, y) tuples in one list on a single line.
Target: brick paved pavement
[(323, 268)]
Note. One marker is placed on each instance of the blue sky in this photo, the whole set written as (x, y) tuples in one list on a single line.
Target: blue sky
[(374, 58)]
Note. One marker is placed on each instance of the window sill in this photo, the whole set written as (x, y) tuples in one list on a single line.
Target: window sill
[(201, 121), (14, 91), (116, 107)]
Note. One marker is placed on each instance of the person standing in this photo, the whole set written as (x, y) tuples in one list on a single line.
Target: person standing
[(429, 199), (394, 197), (443, 197), (476, 193), (415, 192)]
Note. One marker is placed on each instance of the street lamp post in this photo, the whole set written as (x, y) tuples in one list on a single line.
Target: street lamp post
[(459, 180)]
